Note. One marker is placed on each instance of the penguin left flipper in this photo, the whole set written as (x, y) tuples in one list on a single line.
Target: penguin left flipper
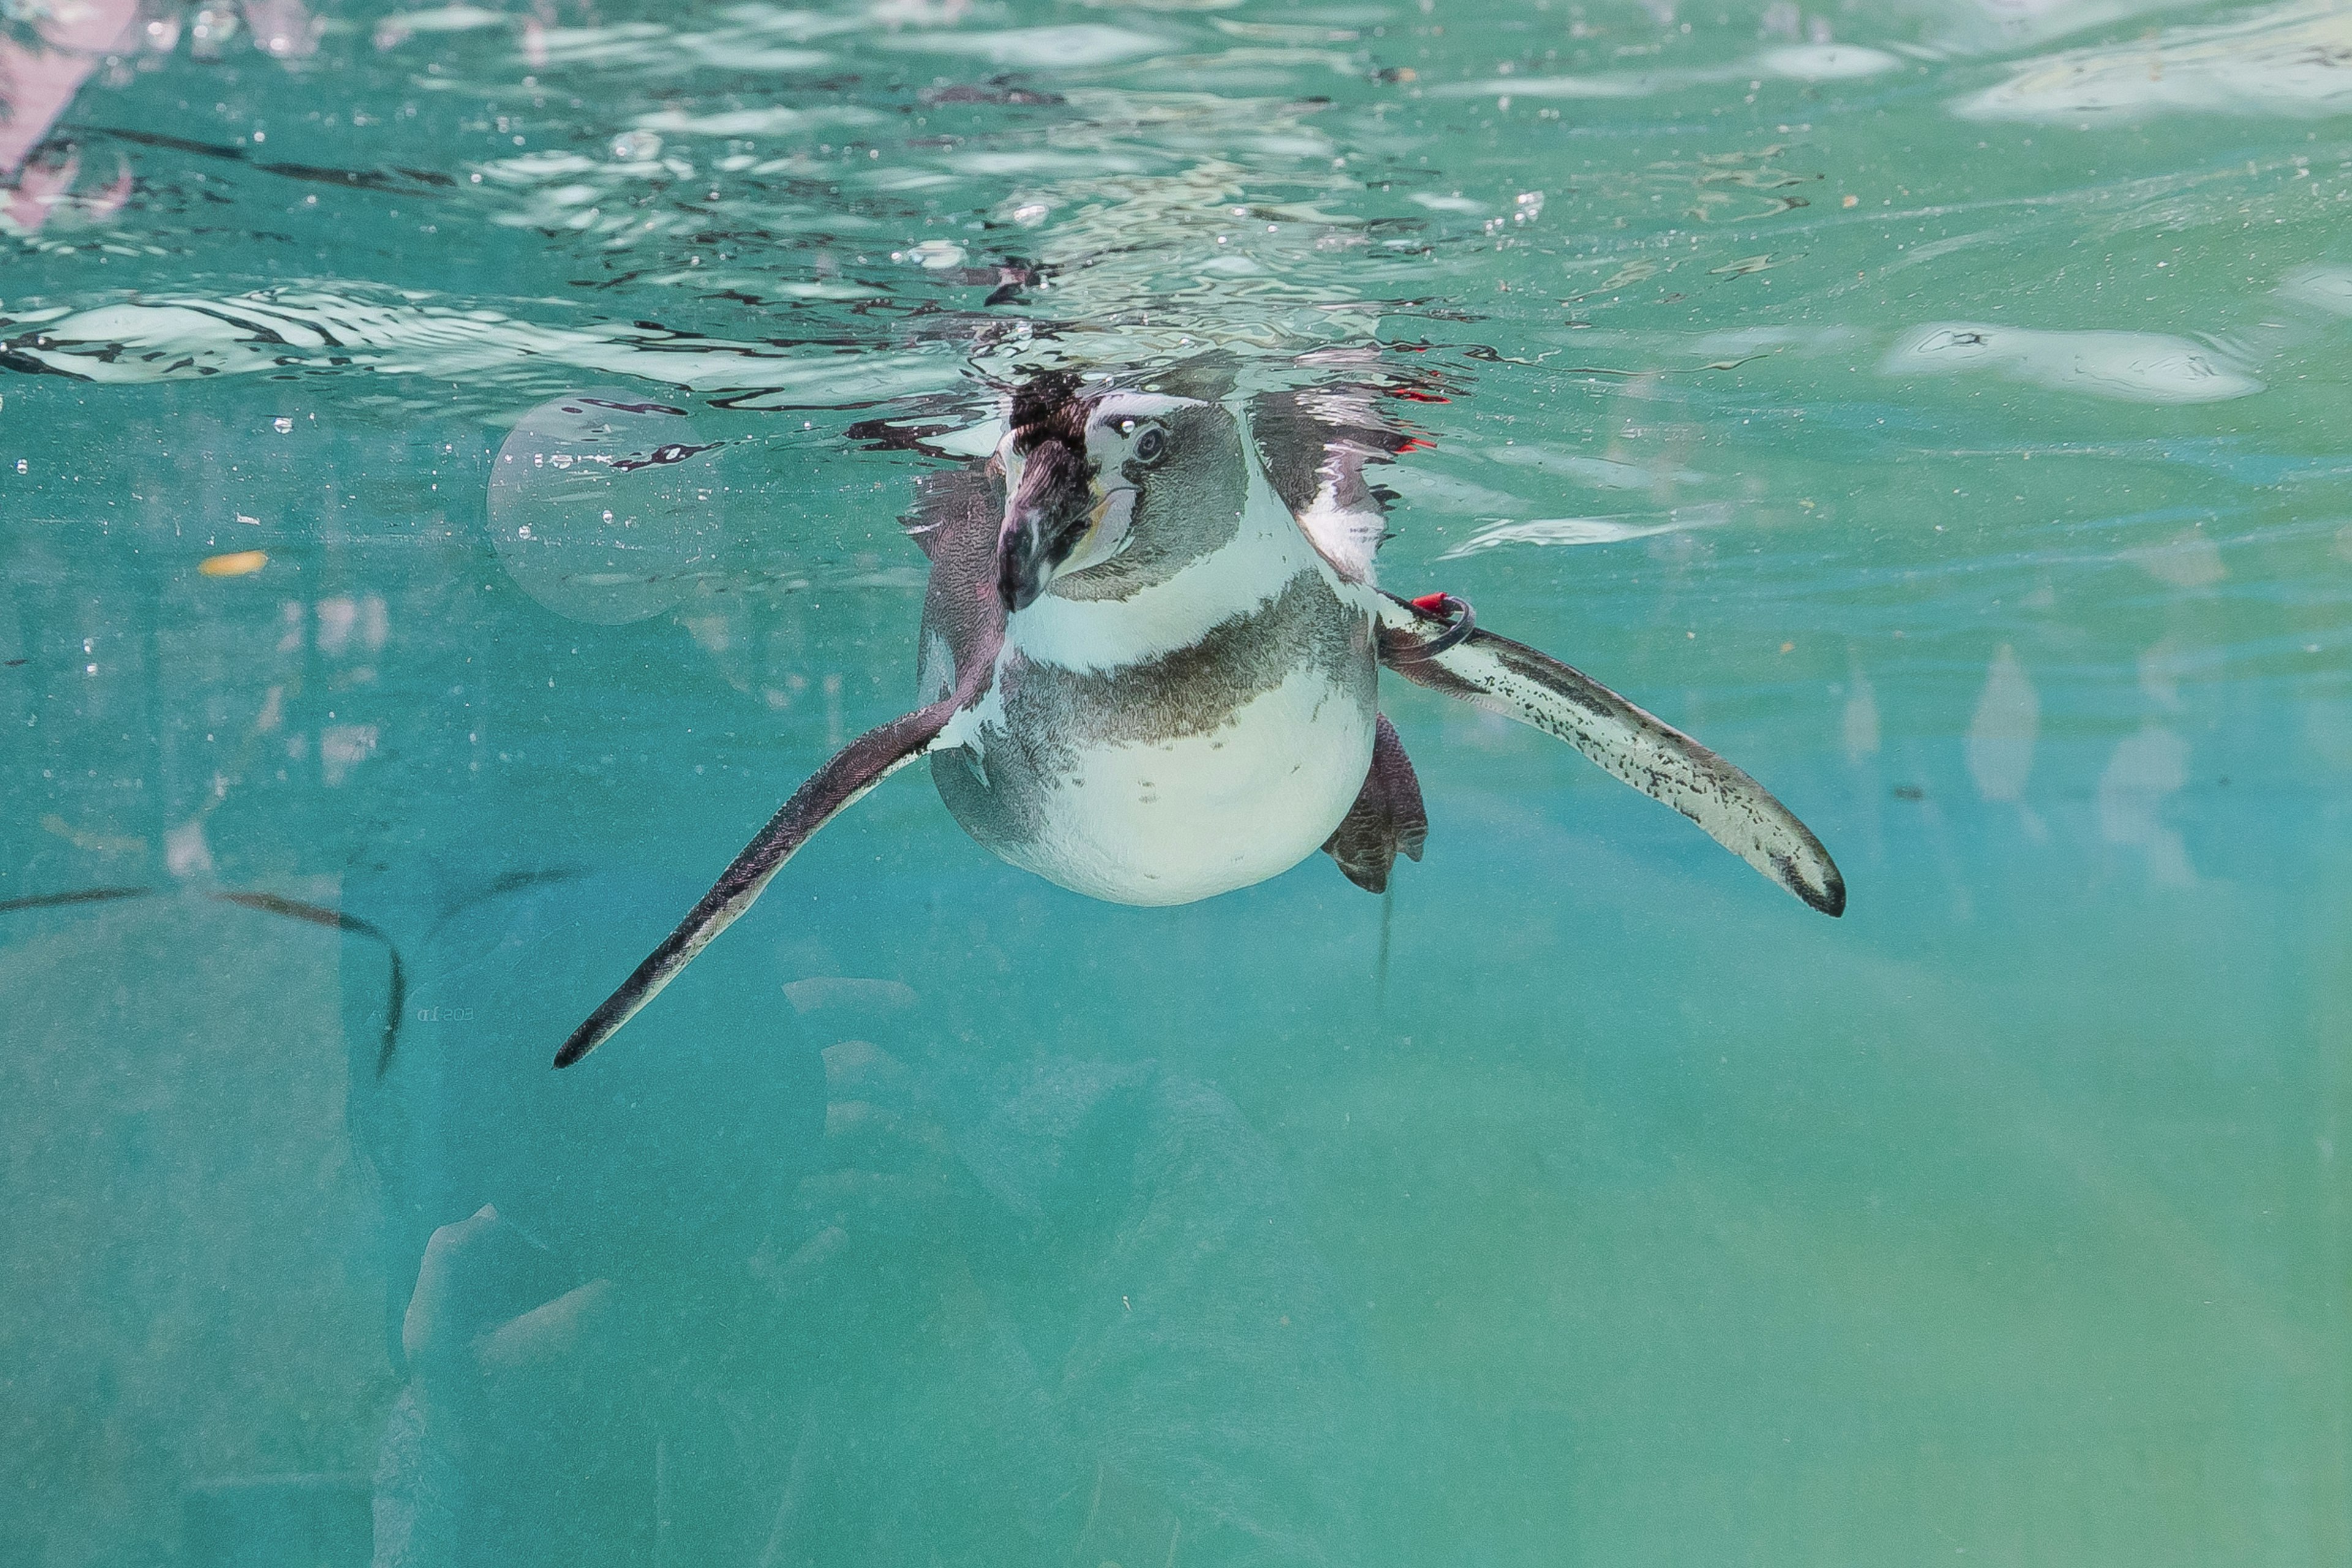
[(1388, 816), (1637, 747), (832, 789), (1315, 444)]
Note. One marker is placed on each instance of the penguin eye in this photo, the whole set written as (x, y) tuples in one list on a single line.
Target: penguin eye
[(1150, 444)]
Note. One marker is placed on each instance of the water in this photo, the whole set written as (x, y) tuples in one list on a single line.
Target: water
[(1938, 408)]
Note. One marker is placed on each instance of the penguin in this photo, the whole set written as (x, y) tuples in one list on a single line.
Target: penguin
[(1149, 667)]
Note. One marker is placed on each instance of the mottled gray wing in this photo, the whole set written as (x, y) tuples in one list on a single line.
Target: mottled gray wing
[(1637, 747), (957, 512), (1315, 443), (955, 508), (833, 788)]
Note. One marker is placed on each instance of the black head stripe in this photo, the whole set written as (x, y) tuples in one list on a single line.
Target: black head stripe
[(1047, 408)]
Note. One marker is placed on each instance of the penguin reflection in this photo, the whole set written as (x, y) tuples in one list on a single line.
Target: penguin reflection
[(1150, 659), (977, 1304), (49, 52)]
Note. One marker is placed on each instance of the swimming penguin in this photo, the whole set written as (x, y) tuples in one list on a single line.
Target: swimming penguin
[(1150, 659)]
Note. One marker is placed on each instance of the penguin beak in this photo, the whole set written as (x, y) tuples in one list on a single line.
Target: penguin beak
[(1052, 510)]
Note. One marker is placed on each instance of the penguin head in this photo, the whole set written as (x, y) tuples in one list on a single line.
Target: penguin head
[(1109, 490)]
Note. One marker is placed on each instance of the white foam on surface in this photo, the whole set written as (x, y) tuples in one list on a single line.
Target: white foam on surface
[(326, 331), (2292, 59), (2322, 286), (1826, 62), (1794, 62), (1575, 530), (1066, 47), (2132, 367)]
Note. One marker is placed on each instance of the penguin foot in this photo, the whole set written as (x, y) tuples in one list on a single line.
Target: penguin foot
[(1388, 816)]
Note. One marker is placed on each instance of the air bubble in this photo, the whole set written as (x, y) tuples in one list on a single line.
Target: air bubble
[(603, 524)]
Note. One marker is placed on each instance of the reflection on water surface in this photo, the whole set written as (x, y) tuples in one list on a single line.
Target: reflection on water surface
[(1937, 407)]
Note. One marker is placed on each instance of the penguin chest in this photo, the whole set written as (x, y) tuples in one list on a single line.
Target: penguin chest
[(1169, 821), (1142, 787)]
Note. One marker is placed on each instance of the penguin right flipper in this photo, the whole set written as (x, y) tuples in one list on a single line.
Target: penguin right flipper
[(1386, 817), (832, 789), (1637, 747)]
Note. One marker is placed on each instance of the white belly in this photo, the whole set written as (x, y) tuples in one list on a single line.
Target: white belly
[(1172, 821)]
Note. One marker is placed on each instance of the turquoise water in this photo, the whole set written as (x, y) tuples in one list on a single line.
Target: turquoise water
[(1940, 408)]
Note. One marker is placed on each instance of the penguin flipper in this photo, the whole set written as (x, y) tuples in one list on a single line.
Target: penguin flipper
[(953, 506), (1386, 817), (1637, 747), (1315, 443), (832, 789)]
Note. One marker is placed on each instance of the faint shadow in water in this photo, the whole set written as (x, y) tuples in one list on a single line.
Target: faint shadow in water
[(2146, 768), (741, 1299), (395, 981)]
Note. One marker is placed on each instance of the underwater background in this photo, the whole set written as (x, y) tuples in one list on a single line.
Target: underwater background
[(1939, 408)]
